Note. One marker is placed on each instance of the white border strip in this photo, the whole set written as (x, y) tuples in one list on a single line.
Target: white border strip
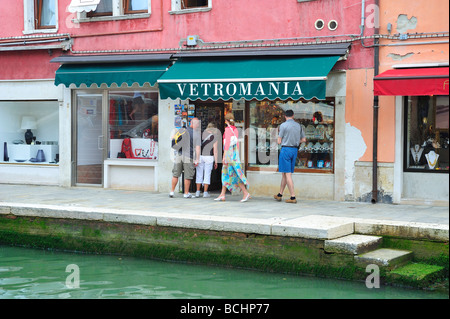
[(311, 78)]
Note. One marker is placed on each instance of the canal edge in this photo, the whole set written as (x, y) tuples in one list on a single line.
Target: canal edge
[(313, 230)]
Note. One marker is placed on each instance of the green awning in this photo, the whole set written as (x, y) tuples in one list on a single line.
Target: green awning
[(109, 73), (248, 78)]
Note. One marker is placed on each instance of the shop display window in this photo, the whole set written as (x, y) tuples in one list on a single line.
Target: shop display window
[(133, 125), (29, 132), (426, 136), (317, 120)]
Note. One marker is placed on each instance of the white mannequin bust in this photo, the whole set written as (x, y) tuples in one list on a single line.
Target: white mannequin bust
[(416, 153), (432, 159)]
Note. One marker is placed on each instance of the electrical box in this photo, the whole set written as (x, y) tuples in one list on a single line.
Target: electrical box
[(192, 40)]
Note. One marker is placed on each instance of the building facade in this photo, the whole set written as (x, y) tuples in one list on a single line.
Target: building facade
[(412, 85), (86, 78)]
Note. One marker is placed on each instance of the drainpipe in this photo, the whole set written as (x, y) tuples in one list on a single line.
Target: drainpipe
[(363, 17), (375, 118)]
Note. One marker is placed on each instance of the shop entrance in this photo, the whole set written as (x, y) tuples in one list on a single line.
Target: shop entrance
[(211, 112), (89, 139)]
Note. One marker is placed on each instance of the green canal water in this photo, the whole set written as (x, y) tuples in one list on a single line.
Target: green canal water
[(41, 274)]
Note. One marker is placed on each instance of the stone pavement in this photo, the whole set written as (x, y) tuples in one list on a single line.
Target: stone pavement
[(258, 215)]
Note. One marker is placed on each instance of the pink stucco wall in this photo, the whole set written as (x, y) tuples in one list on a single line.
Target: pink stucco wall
[(288, 20), (27, 65)]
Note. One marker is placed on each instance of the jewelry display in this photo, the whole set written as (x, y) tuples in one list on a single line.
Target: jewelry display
[(432, 159), (416, 153), (426, 135), (317, 147), (316, 153)]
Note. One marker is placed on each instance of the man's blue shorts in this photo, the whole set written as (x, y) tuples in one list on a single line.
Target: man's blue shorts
[(286, 162)]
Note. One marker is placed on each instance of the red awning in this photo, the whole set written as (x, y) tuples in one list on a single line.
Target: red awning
[(412, 82)]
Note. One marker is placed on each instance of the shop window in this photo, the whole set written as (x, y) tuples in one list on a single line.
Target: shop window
[(29, 133), (427, 134), (133, 125), (317, 120)]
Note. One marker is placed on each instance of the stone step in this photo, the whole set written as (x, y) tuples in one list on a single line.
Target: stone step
[(352, 244), (384, 257), (314, 227)]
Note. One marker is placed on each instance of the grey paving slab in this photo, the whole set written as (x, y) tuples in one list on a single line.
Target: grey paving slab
[(314, 227), (257, 207), (259, 215)]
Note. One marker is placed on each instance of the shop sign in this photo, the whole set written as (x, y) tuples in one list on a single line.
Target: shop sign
[(244, 89)]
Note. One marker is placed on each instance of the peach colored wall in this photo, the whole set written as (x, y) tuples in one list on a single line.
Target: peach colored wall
[(359, 113), (431, 15)]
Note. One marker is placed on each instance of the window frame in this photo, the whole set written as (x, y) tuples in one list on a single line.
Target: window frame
[(33, 107), (406, 147), (119, 13), (177, 8), (30, 14), (184, 7), (274, 168), (110, 127), (38, 5), (93, 14), (126, 5)]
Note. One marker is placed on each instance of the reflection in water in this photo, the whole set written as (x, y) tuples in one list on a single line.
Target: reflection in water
[(34, 274)]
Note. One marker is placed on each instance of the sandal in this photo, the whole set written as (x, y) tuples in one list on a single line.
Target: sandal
[(220, 198), (246, 198)]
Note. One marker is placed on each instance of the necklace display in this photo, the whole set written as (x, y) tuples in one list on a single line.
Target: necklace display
[(416, 153), (432, 159)]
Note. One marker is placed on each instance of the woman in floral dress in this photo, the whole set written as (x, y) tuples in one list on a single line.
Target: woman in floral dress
[(233, 177)]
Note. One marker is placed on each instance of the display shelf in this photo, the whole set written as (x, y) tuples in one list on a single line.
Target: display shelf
[(23, 153), (316, 153)]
